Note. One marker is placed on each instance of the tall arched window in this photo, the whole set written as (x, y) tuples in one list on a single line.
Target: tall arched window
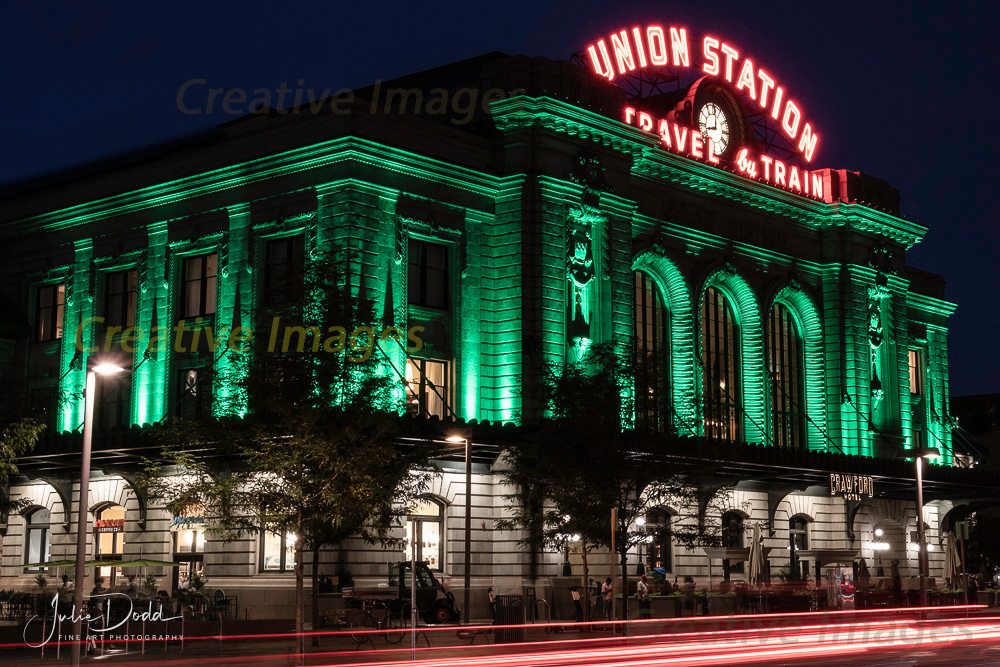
[(798, 540), (788, 419), (660, 553), (732, 530), (109, 539), (651, 355), (425, 532), (720, 360), (733, 537), (37, 537)]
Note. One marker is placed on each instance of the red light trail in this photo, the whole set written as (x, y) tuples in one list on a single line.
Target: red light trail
[(720, 640)]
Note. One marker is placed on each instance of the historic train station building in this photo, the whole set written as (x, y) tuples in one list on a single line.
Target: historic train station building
[(655, 192)]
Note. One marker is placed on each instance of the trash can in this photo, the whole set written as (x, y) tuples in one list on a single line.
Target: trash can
[(510, 611)]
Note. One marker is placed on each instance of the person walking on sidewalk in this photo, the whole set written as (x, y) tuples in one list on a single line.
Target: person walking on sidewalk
[(577, 607), (595, 600), (642, 592), (609, 599)]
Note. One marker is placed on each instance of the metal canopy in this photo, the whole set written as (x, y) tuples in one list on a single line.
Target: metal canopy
[(728, 463)]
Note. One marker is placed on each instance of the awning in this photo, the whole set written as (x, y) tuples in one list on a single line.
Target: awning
[(824, 556)]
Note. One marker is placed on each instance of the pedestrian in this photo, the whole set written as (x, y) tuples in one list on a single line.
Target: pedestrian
[(493, 604), (577, 607), (595, 600), (897, 584), (688, 597), (609, 599), (132, 588), (642, 592), (971, 589)]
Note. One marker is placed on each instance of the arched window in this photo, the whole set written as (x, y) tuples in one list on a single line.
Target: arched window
[(798, 540), (37, 541), (733, 537), (788, 419), (660, 544), (720, 358), (110, 529), (189, 545), (109, 539), (732, 530), (651, 355), (425, 532)]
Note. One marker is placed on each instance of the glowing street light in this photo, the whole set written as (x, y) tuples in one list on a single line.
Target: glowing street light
[(918, 454), (106, 369)]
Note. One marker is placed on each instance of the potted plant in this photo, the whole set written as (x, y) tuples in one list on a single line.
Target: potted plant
[(149, 585), (41, 604), (722, 604)]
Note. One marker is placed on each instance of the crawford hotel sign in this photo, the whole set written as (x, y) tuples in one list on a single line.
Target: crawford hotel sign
[(710, 122)]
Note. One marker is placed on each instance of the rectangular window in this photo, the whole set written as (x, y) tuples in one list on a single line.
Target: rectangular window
[(427, 275), (194, 393), (199, 276), (120, 298), (278, 552), (427, 387), (189, 541), (284, 268), (114, 401), (916, 364), (49, 312)]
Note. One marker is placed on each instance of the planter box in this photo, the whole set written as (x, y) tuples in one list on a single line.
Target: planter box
[(721, 605), (665, 606), (985, 597), (788, 603)]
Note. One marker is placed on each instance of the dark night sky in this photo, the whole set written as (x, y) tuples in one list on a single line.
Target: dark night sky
[(906, 92)]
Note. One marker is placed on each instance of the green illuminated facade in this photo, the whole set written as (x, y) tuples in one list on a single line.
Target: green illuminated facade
[(522, 232)]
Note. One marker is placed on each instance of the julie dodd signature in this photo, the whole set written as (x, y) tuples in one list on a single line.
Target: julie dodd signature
[(148, 614)]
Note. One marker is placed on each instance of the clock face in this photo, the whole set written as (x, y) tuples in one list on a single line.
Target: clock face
[(714, 125)]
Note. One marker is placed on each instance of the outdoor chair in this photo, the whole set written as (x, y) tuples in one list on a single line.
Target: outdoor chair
[(221, 603)]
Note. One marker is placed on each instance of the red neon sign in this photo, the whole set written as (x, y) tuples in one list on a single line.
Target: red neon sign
[(655, 46)]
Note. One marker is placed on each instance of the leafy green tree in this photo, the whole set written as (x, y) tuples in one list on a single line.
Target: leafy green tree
[(316, 455), (587, 464)]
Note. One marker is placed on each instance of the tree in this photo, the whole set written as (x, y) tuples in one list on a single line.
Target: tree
[(316, 454), (982, 550), (584, 461), (23, 417)]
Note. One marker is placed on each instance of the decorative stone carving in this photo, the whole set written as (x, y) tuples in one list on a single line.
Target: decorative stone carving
[(589, 172), (880, 259)]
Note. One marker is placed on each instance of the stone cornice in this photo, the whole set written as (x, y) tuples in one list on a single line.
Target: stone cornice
[(273, 166), (650, 161)]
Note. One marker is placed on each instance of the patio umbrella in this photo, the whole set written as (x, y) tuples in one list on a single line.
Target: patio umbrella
[(146, 562), (757, 557), (51, 563), (952, 562)]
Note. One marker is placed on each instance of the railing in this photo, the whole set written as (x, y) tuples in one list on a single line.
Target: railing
[(548, 612)]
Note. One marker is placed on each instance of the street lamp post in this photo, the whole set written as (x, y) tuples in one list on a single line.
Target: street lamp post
[(81, 522), (640, 569), (918, 454), (468, 523)]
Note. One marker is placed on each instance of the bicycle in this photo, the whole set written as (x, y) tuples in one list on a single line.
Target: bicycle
[(390, 626)]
